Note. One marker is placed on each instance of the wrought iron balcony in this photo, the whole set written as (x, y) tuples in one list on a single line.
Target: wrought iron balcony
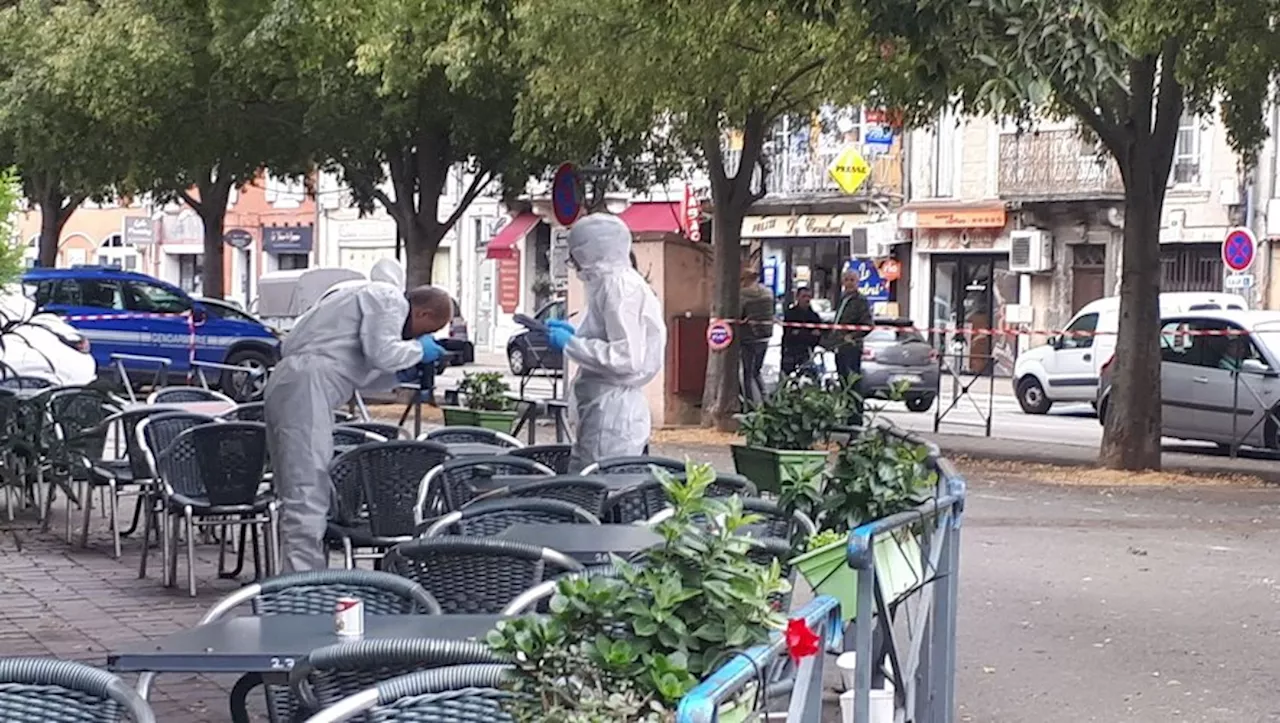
[(804, 173), (1056, 165)]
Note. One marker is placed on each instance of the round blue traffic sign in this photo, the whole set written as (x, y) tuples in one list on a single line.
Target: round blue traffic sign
[(719, 336), (1238, 249), (566, 202)]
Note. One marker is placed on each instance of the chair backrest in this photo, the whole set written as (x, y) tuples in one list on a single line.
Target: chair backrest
[(475, 575), (19, 383), (555, 456), (247, 412), (334, 672), (456, 694), (223, 462), (41, 690), (492, 518), (156, 432), (456, 479), (631, 465), (586, 492), (127, 431), (75, 412), (636, 504), (386, 430), (471, 435), (186, 395), (389, 476), (346, 436)]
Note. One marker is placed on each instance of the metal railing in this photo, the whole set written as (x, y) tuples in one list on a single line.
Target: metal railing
[(1055, 164), (806, 172)]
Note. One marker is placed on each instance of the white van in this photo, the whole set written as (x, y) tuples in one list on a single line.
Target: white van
[(1067, 368)]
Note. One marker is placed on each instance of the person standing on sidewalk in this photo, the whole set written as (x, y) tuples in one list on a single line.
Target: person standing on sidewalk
[(798, 342), (847, 343), (755, 305)]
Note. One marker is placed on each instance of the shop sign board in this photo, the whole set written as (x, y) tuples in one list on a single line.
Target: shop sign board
[(849, 170), (801, 226), (870, 284), (138, 231), (691, 215), (238, 238), (509, 282)]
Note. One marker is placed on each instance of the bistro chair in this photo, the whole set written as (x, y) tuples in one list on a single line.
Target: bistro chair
[(774, 521), (23, 383), (492, 518), (375, 493), (589, 493), (346, 438), (457, 694), (188, 395), (211, 477), (310, 593), (44, 690), (554, 456), (634, 465), (154, 434), (471, 435), (470, 575), (247, 412), (387, 430), (454, 485), (79, 438)]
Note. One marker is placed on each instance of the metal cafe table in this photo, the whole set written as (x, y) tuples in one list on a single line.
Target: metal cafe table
[(588, 544), (265, 649)]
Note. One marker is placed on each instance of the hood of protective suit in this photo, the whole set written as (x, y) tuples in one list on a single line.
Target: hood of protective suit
[(388, 271), (600, 244)]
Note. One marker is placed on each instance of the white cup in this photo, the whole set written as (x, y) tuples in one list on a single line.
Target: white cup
[(847, 663)]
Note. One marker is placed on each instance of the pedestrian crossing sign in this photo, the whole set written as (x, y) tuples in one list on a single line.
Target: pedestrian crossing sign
[(849, 170)]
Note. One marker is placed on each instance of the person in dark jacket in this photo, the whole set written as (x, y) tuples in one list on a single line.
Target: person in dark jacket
[(798, 342), (847, 343), (755, 305)]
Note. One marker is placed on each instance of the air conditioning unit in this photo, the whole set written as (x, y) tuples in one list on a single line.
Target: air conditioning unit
[(1030, 251), (875, 241)]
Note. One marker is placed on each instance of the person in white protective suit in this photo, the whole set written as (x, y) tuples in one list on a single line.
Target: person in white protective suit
[(619, 347), (355, 338)]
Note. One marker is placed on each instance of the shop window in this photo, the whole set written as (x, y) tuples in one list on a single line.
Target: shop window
[(190, 271), (291, 262)]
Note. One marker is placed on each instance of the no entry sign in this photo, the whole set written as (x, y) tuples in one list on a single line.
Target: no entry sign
[(1239, 249)]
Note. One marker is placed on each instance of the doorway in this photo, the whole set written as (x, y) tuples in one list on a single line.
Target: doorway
[(969, 293), (1088, 275)]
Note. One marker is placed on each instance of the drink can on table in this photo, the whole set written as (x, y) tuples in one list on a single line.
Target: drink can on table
[(348, 617)]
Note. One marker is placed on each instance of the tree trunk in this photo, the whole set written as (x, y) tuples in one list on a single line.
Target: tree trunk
[(720, 395), (51, 223), (420, 245), (212, 209), (1131, 440)]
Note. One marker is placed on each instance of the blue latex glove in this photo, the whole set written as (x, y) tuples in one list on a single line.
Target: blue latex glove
[(561, 324), (431, 351), (559, 335)]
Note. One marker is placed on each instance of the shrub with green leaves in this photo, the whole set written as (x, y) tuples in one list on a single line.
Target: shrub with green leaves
[(486, 391), (798, 415), (627, 648)]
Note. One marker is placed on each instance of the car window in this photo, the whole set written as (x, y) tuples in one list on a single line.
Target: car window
[(1226, 346), (226, 312), (1079, 335), (154, 299), (885, 335), (1178, 344), (99, 294), (554, 311)]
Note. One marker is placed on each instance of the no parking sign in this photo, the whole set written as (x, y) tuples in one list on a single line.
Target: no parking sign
[(719, 335), (1239, 249)]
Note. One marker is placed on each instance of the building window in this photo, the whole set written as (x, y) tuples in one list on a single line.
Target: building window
[(284, 192), (1186, 153), (291, 262), (190, 269)]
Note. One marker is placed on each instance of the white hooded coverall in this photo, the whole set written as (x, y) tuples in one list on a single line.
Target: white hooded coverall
[(619, 346), (350, 340)]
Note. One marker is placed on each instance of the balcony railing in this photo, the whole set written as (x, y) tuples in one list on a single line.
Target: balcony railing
[(1055, 165), (799, 173)]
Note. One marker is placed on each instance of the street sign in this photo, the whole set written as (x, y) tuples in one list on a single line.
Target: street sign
[(891, 269), (139, 231), (1238, 281), (238, 238), (691, 215), (719, 335), (870, 284), (849, 170), (566, 195), (1239, 249), (879, 135)]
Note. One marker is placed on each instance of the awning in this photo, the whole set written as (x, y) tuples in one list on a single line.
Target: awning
[(503, 243), (652, 217)]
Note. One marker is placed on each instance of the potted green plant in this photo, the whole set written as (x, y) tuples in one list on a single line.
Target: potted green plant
[(488, 403), (628, 648), (782, 433)]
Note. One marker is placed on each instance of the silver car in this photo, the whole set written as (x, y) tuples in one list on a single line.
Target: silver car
[(1219, 378), (896, 356)]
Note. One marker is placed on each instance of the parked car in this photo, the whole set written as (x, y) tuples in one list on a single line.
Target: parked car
[(42, 345), (1068, 367), (123, 312), (530, 350), (1219, 377)]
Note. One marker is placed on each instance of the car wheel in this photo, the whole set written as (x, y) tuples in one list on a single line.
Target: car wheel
[(1031, 396), (242, 386), (1102, 410), (921, 403), (516, 360)]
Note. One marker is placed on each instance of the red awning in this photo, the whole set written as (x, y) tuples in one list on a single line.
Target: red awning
[(503, 243), (652, 217)]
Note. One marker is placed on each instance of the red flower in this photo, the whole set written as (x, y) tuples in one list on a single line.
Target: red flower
[(802, 642)]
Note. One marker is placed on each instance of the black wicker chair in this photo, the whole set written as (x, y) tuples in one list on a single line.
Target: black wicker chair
[(457, 694), (187, 395), (641, 503), (386, 430), (313, 593), (453, 486), (79, 438), (774, 521), (23, 383), (346, 438), (586, 492), (247, 412), (475, 575), (332, 673), (471, 435), (376, 488), (211, 476), (153, 435), (553, 456), (43, 690), (633, 465), (492, 518)]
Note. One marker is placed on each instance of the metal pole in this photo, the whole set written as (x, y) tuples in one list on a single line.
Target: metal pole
[(991, 390), (1235, 406)]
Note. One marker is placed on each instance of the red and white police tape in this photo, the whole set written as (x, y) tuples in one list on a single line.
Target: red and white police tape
[(191, 325), (965, 331)]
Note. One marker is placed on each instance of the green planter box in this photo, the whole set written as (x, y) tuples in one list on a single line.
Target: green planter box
[(463, 417), (898, 567), (767, 468)]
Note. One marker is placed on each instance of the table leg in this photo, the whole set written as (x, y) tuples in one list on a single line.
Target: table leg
[(240, 696)]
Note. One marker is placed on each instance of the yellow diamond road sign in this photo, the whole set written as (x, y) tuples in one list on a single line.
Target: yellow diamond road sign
[(849, 170)]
